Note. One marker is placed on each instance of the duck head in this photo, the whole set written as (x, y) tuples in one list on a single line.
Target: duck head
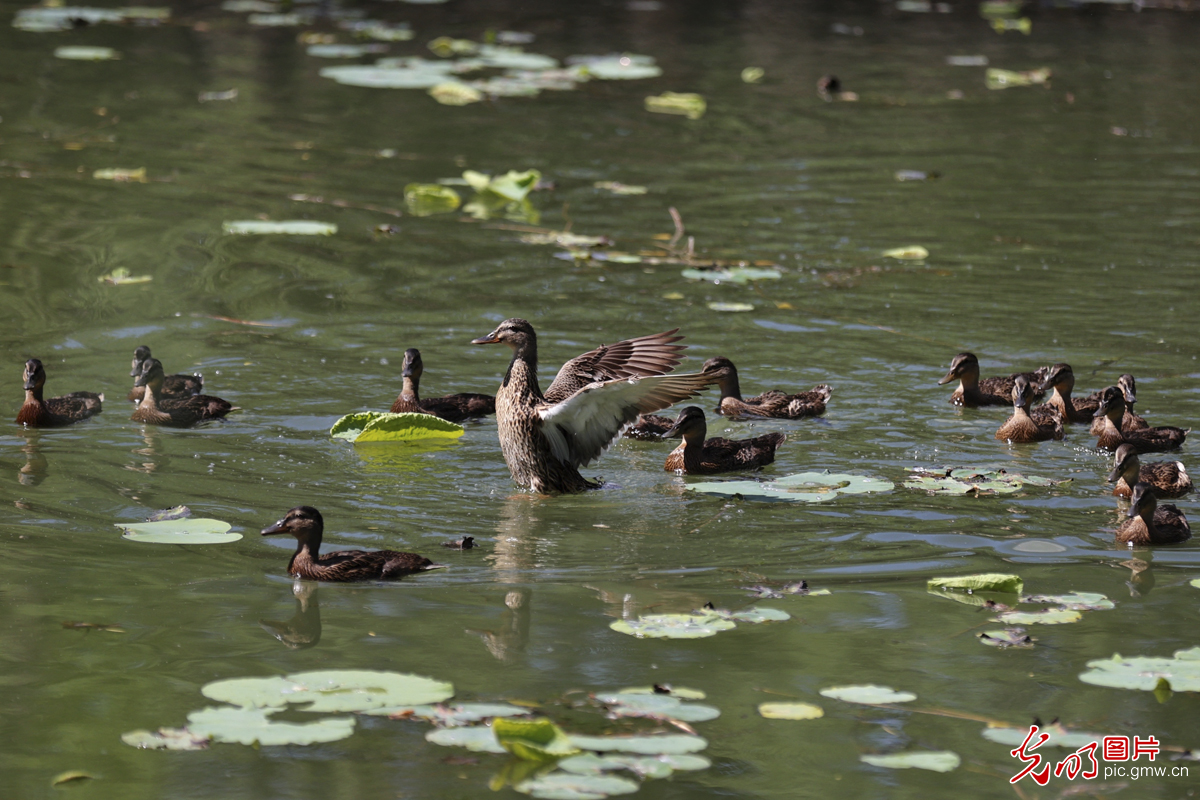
[(139, 357), (964, 365), (413, 366), (1128, 388), (1022, 392), (303, 522), (1060, 376), (690, 425), (1143, 502), (1125, 465), (152, 375), (1112, 404), (724, 374), (35, 375), (516, 333)]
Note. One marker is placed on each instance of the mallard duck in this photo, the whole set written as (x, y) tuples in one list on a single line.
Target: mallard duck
[(53, 412), (1167, 478), (1131, 421), (697, 456), (453, 407), (1150, 523), (995, 391), (178, 412), (1020, 426), (768, 404), (307, 525), (173, 385), (547, 437), (1144, 440), (649, 427), (1080, 410)]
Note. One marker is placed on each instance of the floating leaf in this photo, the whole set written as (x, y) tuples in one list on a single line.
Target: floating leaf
[(179, 531), (455, 93), (1004, 79), (1009, 637), (252, 726), (1059, 736), (673, 626), (479, 739), (73, 775), (294, 227), (688, 104), (643, 766), (967, 61), (976, 481), (1049, 616), (376, 426), (657, 706), (665, 688), (411, 73), (718, 306), (451, 716), (1181, 673), (178, 512), (165, 739), (753, 615), (804, 487), (275, 20), (343, 50), (446, 47), (911, 253), (753, 74), (121, 175), (41, 19), (533, 739), (932, 760), (512, 185), (565, 239), (424, 199), (569, 786), (121, 277), (623, 67), (249, 6), (868, 694), (1077, 601), (1195, 582), (80, 53), (619, 188), (790, 711), (654, 744), (983, 582), (502, 57), (331, 690)]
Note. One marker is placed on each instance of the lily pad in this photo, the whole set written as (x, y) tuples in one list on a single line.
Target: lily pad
[(1048, 616), (1059, 736), (80, 53), (451, 716), (425, 199), (643, 766), (375, 426), (983, 582), (911, 253), (331, 690), (533, 739), (753, 74), (275, 20), (732, 274), (621, 67), (688, 104), (122, 277), (657, 706), (932, 760), (165, 739), (1005, 78), (253, 726), (412, 73), (343, 50), (673, 626), (570, 786), (804, 487), (719, 306), (790, 711), (478, 739), (663, 688), (120, 175), (40, 19), (503, 57), (1076, 601), (1182, 672), (179, 531), (753, 615), (293, 227), (660, 744), (455, 93), (620, 188), (1194, 582), (1009, 637), (565, 239), (512, 185), (868, 694), (975, 481)]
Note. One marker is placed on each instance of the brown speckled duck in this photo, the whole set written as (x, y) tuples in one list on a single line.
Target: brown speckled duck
[(307, 525), (1080, 410), (178, 412), (768, 404), (173, 385), (1021, 427), (452, 407), (697, 456), (649, 427), (1150, 523), (1144, 440), (1131, 421), (547, 437), (995, 391), (1167, 478), (53, 412)]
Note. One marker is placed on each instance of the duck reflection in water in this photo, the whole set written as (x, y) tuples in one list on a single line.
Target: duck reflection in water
[(303, 630), (36, 467), (508, 642), (1141, 576), (149, 452)]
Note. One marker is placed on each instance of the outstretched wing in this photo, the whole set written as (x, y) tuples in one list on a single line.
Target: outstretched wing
[(646, 355), (582, 427)]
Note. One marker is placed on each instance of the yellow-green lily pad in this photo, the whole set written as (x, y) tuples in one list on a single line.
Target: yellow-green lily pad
[(1181, 673), (911, 253), (426, 199), (932, 760), (868, 694), (375, 426), (571, 786), (790, 711), (982, 582), (533, 739), (179, 531), (331, 690), (293, 227), (688, 104), (253, 726)]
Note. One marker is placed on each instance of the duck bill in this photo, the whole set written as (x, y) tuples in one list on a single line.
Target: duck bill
[(141, 380), (1132, 512), (137, 369), (30, 383), (407, 372), (949, 376), (278, 527), (491, 338), (1101, 411), (673, 432), (1115, 475)]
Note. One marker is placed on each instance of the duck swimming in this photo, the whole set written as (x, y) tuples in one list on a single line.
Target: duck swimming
[(307, 525), (768, 404), (1144, 440), (547, 437), (53, 412), (173, 385), (178, 412), (1150, 523), (1167, 478), (1131, 421), (1079, 410), (1021, 427), (995, 391), (452, 407), (696, 456)]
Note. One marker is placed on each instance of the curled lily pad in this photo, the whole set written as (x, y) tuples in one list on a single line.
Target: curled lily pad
[(790, 711), (533, 739), (479, 739), (253, 726), (425, 199), (294, 227), (673, 626), (374, 426), (1048, 616), (1181, 673), (868, 694), (1009, 637), (331, 690), (688, 104), (165, 739), (80, 53), (179, 531), (657, 706), (512, 185), (1076, 601), (804, 487), (932, 760), (719, 306), (732, 274), (570, 786), (1059, 736), (70, 776), (660, 744), (983, 582)]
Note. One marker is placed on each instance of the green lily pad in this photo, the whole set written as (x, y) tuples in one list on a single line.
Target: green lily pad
[(80, 53), (1059, 736), (622, 67), (533, 739), (375, 426), (502, 57), (411, 73), (983, 582), (478, 739), (45, 20), (719, 306), (665, 688), (1076, 601), (804, 487), (911, 253), (1182, 672), (975, 481), (649, 745), (673, 626), (451, 716), (732, 274), (753, 615), (1047, 616), (790, 711), (656, 706), (294, 227), (932, 760), (331, 690), (619, 188), (165, 739), (570, 786), (1009, 637), (643, 766), (426, 199), (564, 239), (455, 93), (1195, 582), (179, 531), (342, 50), (252, 726), (868, 694), (687, 104), (512, 185)]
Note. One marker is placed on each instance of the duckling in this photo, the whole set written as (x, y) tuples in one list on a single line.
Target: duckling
[(996, 391), (1150, 523), (1021, 427), (699, 457), (1167, 478), (173, 385), (545, 438), (1080, 410), (307, 525), (1145, 440), (54, 412), (178, 412), (1131, 421), (768, 404), (453, 407)]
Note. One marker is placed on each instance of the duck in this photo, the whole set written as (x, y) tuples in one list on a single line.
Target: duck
[(1080, 410), (697, 456), (173, 385), (1144, 440), (452, 407), (1021, 427), (649, 427), (1131, 421), (178, 412), (768, 404), (1167, 478), (53, 412), (996, 391), (546, 438), (1150, 523), (307, 525)]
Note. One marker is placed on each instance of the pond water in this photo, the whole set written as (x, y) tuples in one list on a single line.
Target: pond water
[(1063, 226)]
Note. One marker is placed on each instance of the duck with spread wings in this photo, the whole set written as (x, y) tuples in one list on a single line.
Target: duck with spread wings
[(547, 437)]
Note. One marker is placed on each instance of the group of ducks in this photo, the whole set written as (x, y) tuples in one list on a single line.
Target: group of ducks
[(1113, 421)]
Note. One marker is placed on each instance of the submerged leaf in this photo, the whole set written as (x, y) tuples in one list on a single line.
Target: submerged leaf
[(424, 199), (868, 694), (252, 726), (376, 426), (179, 531), (331, 690), (983, 582), (790, 711), (294, 227), (533, 739), (688, 104), (932, 760)]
